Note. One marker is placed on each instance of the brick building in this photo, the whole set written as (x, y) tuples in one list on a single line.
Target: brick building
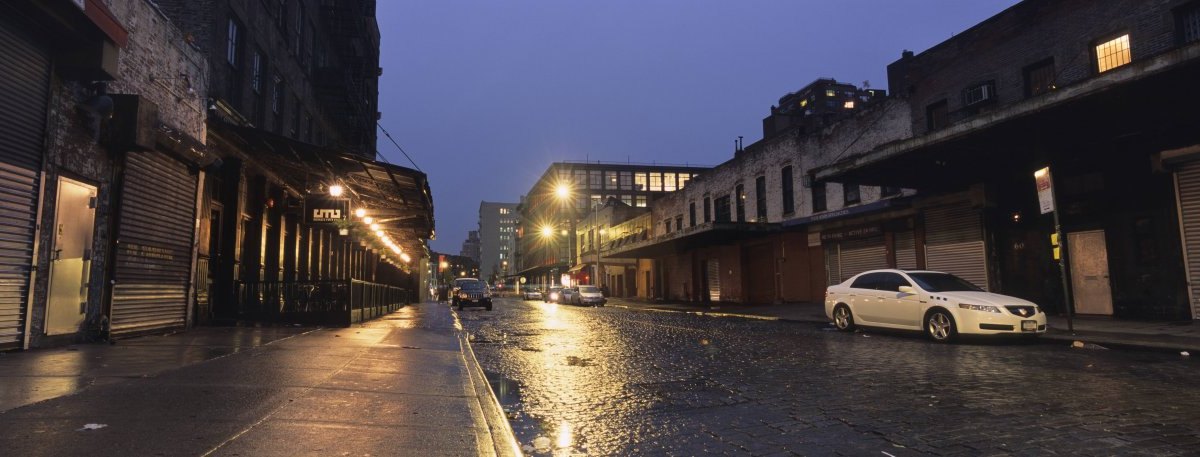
[(95, 173), (1102, 94), (546, 232)]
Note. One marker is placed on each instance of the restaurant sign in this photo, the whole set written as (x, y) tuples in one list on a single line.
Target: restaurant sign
[(326, 210)]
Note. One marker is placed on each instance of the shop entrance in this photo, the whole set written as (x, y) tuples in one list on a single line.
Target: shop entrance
[(71, 258)]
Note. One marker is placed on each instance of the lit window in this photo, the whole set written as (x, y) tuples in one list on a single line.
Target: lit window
[(639, 181), (830, 93), (803, 103), (849, 104), (641, 201), (1113, 53), (669, 182), (656, 182), (683, 179)]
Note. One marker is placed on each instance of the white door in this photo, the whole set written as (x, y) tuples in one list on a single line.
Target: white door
[(71, 257), (1089, 273)]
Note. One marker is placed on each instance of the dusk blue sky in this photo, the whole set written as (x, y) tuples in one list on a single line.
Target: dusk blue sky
[(484, 94)]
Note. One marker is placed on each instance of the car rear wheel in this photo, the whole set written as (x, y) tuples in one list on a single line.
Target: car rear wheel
[(940, 326), (843, 319)]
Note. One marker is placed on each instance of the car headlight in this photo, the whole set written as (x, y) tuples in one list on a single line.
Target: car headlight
[(984, 308), (464, 295)]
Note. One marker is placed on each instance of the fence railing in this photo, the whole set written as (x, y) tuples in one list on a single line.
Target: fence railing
[(329, 302)]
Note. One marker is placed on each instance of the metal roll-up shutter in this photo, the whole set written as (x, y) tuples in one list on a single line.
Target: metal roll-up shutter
[(154, 239), (906, 251), (862, 255), (1187, 179), (24, 76), (954, 243)]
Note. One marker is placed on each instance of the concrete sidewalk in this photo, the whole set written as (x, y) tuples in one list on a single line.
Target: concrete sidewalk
[(404, 384), (1159, 336)]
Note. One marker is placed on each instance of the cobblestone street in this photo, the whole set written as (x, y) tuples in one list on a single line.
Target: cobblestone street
[(607, 381)]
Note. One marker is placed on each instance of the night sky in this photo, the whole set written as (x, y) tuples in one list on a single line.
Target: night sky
[(484, 94)]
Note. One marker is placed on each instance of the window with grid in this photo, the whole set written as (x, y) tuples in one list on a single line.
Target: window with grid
[(595, 179), (1039, 78), (789, 198), (669, 182), (256, 68), (683, 179), (610, 180), (640, 201), (1113, 53), (656, 182), (233, 43), (580, 178), (721, 208), (1189, 23), (626, 180), (760, 198), (639, 181)]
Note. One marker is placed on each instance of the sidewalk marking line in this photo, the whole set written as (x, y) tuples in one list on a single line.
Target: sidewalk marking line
[(514, 447)]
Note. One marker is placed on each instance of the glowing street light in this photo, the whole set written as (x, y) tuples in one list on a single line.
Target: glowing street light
[(368, 220), (547, 231), (360, 212), (336, 190), (562, 191)]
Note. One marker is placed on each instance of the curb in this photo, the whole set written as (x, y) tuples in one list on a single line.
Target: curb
[(504, 439), (1046, 338)]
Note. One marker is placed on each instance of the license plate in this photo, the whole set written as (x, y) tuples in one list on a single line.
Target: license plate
[(1029, 326)]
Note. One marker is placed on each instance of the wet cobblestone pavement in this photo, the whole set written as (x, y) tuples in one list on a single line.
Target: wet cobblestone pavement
[(606, 381)]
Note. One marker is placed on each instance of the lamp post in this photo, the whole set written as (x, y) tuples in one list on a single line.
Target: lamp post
[(563, 192)]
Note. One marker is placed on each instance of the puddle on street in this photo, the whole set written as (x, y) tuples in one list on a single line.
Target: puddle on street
[(537, 438)]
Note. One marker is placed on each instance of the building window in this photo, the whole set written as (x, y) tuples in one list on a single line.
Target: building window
[(627, 200), (760, 198), (707, 210), (721, 208), (595, 178), (610, 180), (740, 192), (640, 201), (669, 182), (1112, 53), (295, 118), (233, 43), (1039, 78), (979, 94), (1189, 23), (679, 222), (937, 115), (667, 225), (818, 197), (789, 199), (277, 95), (298, 37), (683, 179), (691, 214), (830, 93), (281, 16), (639, 181), (256, 67), (850, 193), (626, 180), (889, 191), (656, 182)]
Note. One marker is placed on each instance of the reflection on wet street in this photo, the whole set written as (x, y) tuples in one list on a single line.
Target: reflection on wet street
[(604, 381)]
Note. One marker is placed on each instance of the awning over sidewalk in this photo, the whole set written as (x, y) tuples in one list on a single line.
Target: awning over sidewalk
[(708, 234), (1141, 101), (398, 198)]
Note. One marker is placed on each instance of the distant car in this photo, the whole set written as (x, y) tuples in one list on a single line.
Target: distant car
[(587, 295), (553, 295), (531, 293), (941, 305), (471, 293)]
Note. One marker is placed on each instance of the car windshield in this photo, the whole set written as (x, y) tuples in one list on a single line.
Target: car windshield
[(472, 285), (589, 289), (942, 282)]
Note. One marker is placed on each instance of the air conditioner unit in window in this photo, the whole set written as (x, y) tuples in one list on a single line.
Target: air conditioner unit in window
[(979, 94)]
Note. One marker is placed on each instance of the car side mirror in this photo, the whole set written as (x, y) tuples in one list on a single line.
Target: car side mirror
[(908, 290)]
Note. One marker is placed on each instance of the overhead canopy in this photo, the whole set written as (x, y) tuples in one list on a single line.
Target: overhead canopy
[(703, 235), (398, 198)]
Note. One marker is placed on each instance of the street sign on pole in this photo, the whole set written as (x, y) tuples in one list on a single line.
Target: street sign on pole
[(1045, 190), (1047, 203)]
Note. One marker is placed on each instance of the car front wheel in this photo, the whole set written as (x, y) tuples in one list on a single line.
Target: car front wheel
[(940, 326), (842, 318)]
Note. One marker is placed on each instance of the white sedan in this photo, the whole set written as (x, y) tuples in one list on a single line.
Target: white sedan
[(940, 304)]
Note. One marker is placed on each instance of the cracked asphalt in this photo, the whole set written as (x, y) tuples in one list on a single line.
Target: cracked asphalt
[(608, 381)]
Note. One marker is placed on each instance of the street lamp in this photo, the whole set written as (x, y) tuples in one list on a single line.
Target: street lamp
[(563, 192)]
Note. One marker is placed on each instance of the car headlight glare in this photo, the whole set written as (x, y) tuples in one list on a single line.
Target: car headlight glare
[(984, 308), (464, 295)]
